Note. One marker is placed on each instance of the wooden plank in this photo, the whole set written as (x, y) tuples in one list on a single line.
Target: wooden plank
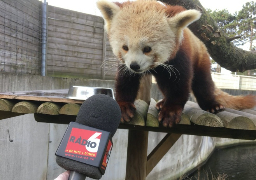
[(82, 71), (77, 44), (75, 37), (61, 53), (13, 68), (45, 96), (33, 5), (20, 35), (19, 18), (56, 119), (76, 20), (198, 131), (15, 6), (8, 114), (63, 47), (91, 59), (18, 44), (79, 15), (74, 26), (160, 150), (53, 29), (136, 155), (84, 66)]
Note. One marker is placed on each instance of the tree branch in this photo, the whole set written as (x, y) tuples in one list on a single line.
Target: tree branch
[(219, 46), (233, 38)]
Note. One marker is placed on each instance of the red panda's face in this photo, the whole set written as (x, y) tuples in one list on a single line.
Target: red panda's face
[(141, 34)]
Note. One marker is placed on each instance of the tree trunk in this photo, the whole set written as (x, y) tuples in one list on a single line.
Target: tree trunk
[(219, 46)]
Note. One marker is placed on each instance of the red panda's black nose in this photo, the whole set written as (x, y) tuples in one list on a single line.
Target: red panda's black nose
[(134, 66)]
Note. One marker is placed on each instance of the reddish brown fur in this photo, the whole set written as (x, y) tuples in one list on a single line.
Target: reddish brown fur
[(192, 62)]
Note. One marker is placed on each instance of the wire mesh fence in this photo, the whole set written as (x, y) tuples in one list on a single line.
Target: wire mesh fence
[(20, 36)]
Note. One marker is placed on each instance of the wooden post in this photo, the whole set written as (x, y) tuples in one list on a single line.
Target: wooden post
[(138, 140), (137, 155)]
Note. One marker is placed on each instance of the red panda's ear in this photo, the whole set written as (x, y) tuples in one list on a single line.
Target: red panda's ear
[(184, 18), (108, 10)]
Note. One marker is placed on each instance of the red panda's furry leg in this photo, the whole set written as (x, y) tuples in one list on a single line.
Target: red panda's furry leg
[(175, 88), (203, 88), (127, 86)]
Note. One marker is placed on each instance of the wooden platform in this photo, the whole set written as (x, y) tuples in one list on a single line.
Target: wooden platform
[(52, 106)]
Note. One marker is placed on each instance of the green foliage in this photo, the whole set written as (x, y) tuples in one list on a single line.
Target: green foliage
[(241, 23), (241, 26)]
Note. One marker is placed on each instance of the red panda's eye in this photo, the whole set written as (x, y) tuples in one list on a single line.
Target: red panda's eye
[(125, 48), (146, 49)]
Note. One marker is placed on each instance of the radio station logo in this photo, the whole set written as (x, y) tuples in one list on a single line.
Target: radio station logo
[(83, 142)]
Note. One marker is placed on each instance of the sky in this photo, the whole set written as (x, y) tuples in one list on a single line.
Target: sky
[(89, 6)]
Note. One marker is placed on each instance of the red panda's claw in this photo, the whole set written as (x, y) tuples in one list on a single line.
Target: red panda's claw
[(127, 109), (170, 116)]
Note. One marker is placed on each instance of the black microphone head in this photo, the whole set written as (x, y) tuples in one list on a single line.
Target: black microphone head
[(101, 112)]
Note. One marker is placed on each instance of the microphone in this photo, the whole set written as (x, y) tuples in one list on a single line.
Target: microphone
[(86, 145)]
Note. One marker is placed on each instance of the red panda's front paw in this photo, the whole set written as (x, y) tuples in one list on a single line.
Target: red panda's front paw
[(170, 115), (127, 109), (160, 104)]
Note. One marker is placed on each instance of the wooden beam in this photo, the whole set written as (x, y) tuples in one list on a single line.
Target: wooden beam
[(8, 114), (198, 131), (136, 155), (160, 150)]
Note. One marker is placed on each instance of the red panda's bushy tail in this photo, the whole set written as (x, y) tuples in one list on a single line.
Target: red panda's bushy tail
[(234, 102)]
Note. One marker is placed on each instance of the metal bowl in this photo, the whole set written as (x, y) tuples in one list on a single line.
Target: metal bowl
[(84, 92)]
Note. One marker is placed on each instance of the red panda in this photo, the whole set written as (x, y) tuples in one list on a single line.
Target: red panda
[(149, 37)]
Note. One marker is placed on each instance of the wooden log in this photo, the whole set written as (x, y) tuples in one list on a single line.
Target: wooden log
[(152, 116), (251, 111), (69, 109), (235, 121), (160, 150), (200, 117), (231, 120), (144, 90), (25, 107), (136, 155), (48, 108), (140, 114), (6, 105), (244, 113)]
